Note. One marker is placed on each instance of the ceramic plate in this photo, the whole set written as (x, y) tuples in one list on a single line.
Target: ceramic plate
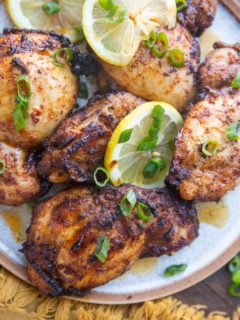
[(216, 244)]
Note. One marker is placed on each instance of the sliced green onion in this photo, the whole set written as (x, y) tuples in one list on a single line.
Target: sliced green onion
[(161, 37), (181, 5), (210, 148), (62, 57), (153, 166), (144, 212), (147, 144), (154, 130), (125, 136), (83, 90), (173, 270), (2, 166), (176, 58), (109, 5), (20, 115), (79, 32), (234, 290), (234, 264), (51, 7), (128, 203), (236, 82), (102, 248), (23, 88), (117, 19), (233, 131), (149, 43), (158, 113), (103, 179), (236, 276)]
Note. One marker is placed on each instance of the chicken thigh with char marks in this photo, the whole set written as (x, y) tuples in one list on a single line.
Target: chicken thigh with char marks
[(65, 230), (196, 175), (53, 95), (152, 78)]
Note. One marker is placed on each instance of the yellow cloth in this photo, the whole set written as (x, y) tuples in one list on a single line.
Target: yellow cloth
[(19, 301)]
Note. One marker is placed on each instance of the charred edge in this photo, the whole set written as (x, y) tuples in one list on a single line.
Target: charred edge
[(16, 62), (77, 245)]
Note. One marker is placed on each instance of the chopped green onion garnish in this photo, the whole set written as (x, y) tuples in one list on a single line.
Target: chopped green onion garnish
[(51, 7), (112, 7), (125, 136), (103, 245), (173, 270), (234, 290), (236, 82), (109, 5), (147, 144), (153, 166), (210, 148), (149, 43), (236, 276), (144, 212), (62, 57), (103, 179), (2, 166), (23, 88), (128, 203), (176, 58), (158, 113), (161, 37), (233, 131), (181, 5), (234, 264), (83, 90), (117, 19), (79, 32), (20, 115)]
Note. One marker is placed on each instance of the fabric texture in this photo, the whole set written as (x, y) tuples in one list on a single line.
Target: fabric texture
[(19, 301)]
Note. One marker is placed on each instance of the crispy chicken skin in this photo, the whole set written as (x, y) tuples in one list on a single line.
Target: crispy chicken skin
[(221, 66), (156, 79), (19, 182), (198, 16), (65, 229), (54, 89), (196, 176), (78, 146)]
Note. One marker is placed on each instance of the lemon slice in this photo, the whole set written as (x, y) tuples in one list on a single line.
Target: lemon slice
[(29, 14), (115, 38), (139, 155)]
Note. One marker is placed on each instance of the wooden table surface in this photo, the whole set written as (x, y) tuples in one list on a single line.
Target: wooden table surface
[(212, 292)]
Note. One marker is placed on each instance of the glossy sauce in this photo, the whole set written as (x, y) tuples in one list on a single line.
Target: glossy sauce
[(17, 219), (207, 41), (144, 266), (213, 213)]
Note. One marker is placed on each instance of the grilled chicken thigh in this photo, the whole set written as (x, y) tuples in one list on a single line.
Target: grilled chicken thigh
[(18, 180), (78, 146), (156, 79), (196, 175), (65, 229), (53, 88), (198, 15)]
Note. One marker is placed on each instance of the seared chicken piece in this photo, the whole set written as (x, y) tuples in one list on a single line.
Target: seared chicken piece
[(198, 15), (78, 146), (156, 79), (54, 89), (221, 66), (18, 182), (199, 177), (65, 229)]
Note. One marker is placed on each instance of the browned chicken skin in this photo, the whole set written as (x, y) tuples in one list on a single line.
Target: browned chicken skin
[(196, 176), (65, 229), (54, 89), (198, 15), (156, 79), (78, 146), (19, 182)]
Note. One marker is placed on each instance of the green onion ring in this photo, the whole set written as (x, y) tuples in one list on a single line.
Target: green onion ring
[(144, 212), (176, 58), (128, 203), (210, 148), (23, 88), (104, 172), (68, 52), (102, 248)]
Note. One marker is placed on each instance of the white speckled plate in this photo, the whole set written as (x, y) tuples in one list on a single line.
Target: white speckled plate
[(213, 248)]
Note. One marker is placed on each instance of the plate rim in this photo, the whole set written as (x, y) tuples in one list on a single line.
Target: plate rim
[(138, 297)]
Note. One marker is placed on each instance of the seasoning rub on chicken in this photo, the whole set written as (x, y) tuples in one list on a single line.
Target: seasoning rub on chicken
[(80, 238), (206, 163)]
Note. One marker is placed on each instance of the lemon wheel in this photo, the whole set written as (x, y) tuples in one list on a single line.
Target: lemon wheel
[(63, 16), (115, 32), (141, 148)]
